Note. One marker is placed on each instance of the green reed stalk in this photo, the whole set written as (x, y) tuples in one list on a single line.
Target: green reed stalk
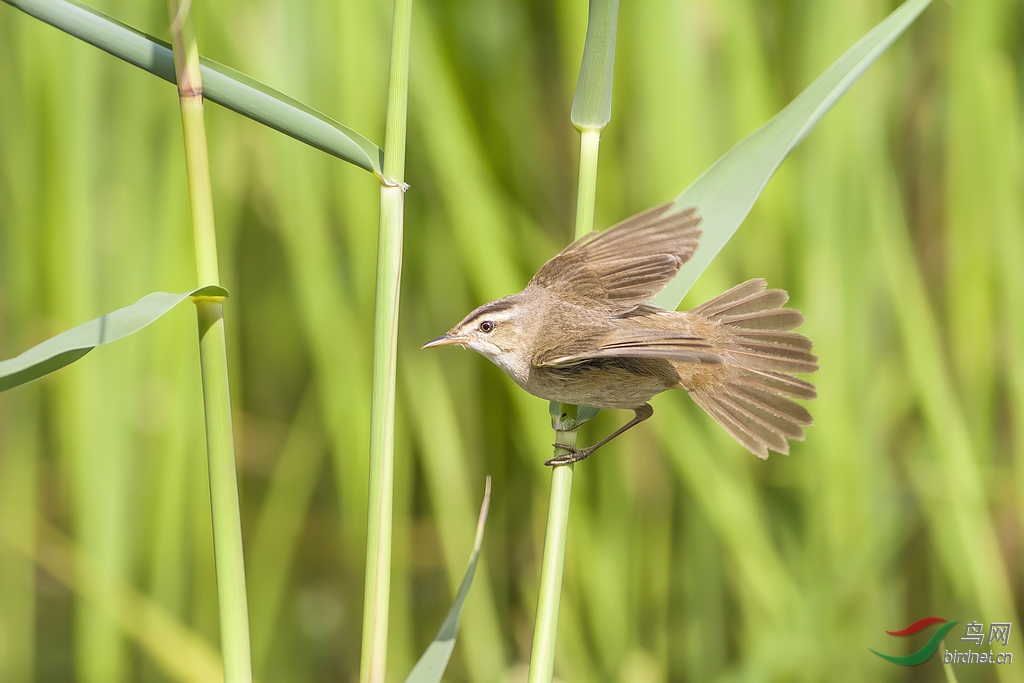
[(591, 111), (542, 657), (376, 597), (227, 526), (590, 140), (545, 630)]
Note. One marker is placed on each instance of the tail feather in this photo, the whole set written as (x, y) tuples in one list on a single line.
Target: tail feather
[(774, 320), (788, 339), (774, 359), (763, 300), (779, 383), (772, 402), (729, 424), (753, 401), (753, 424), (715, 306), (758, 411)]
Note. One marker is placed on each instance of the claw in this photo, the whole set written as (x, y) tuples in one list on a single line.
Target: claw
[(564, 458), (572, 455)]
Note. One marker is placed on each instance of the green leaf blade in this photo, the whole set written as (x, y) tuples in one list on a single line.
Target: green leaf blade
[(99, 30), (432, 664), (725, 193), (67, 347), (592, 103), (250, 98), (221, 84)]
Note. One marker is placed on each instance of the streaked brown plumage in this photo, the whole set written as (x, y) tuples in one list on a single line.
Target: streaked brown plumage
[(581, 332)]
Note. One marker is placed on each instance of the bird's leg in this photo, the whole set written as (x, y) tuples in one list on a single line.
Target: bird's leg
[(574, 454)]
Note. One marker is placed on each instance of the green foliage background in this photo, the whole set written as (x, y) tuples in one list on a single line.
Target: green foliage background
[(896, 227)]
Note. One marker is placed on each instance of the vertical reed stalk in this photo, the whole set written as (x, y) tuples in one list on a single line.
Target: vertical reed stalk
[(373, 660), (542, 657), (586, 198), (591, 111), (227, 527)]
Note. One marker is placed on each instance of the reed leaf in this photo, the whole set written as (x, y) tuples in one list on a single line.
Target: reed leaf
[(725, 193), (592, 104), (221, 84), (69, 346), (432, 664)]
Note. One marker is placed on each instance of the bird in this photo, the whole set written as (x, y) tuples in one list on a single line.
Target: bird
[(583, 331)]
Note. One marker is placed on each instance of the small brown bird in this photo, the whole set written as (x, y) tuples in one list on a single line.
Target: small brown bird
[(583, 333)]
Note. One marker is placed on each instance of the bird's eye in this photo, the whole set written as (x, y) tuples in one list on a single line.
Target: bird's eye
[(486, 326)]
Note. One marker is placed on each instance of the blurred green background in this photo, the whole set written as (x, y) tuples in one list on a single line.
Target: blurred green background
[(896, 227)]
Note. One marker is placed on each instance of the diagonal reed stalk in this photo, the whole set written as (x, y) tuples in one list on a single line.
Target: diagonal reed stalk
[(227, 527), (376, 598), (591, 112)]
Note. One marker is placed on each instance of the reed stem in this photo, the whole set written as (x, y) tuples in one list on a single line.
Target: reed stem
[(590, 141), (542, 657), (227, 526), (377, 593)]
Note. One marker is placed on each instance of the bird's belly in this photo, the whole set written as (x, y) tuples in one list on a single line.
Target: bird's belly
[(602, 384)]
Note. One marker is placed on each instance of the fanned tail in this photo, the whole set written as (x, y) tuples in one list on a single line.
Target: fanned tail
[(753, 398)]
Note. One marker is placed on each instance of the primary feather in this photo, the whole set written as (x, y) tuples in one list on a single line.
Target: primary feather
[(626, 264)]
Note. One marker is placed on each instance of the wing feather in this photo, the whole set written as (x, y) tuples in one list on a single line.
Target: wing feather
[(631, 343), (626, 264)]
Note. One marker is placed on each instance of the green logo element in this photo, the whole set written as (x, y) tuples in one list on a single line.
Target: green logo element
[(925, 653)]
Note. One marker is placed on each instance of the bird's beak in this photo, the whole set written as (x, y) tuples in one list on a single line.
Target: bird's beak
[(446, 340)]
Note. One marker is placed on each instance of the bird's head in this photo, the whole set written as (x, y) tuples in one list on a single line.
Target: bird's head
[(494, 330)]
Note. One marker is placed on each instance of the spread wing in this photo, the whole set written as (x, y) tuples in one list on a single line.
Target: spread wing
[(626, 264), (630, 343)]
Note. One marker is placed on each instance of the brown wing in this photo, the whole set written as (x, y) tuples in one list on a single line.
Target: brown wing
[(630, 343), (626, 264)]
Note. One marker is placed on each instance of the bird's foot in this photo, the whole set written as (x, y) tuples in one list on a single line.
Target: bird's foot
[(571, 455)]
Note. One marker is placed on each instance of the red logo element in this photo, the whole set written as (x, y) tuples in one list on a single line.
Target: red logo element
[(917, 626)]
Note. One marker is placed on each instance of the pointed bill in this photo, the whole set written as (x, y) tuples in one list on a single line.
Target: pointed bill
[(444, 341)]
